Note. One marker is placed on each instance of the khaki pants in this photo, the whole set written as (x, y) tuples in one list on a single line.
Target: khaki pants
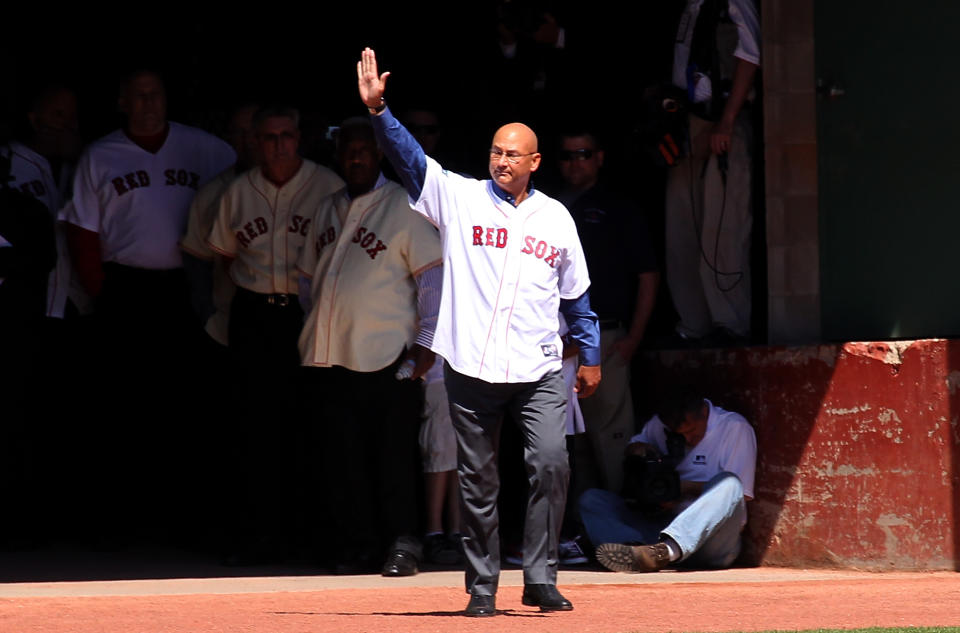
[(608, 417), (708, 234)]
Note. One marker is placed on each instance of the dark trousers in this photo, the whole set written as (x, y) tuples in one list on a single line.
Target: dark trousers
[(146, 381), (268, 436), (370, 422), (477, 409)]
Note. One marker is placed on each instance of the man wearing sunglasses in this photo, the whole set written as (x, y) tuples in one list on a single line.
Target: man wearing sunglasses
[(512, 260), (623, 272)]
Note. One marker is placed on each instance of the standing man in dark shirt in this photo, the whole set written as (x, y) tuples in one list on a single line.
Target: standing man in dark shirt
[(623, 269)]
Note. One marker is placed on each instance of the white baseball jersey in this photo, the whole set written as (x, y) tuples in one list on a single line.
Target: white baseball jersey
[(363, 255), (264, 226), (138, 201), (203, 211), (31, 174), (505, 270), (729, 445)]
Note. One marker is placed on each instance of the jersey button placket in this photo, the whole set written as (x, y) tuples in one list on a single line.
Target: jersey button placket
[(505, 304), (280, 241)]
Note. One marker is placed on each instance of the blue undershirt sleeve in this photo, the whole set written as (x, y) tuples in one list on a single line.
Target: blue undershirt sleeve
[(429, 284), (402, 150), (584, 327)]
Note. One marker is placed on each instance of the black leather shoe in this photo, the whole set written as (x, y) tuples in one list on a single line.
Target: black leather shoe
[(400, 563), (546, 597), (481, 606)]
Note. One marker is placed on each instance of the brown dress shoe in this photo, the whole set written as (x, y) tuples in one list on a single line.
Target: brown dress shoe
[(618, 557)]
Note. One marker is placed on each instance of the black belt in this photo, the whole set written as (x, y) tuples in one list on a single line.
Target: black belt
[(280, 299)]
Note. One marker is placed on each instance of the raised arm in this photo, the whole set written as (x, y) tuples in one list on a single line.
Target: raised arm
[(399, 146)]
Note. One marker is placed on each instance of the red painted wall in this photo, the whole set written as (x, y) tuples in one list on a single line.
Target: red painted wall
[(858, 448)]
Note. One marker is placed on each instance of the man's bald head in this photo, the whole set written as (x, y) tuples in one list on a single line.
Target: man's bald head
[(513, 158), (521, 133)]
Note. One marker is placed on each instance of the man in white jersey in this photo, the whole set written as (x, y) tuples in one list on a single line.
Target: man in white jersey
[(374, 266), (133, 187), (131, 195), (512, 262), (703, 527), (42, 161), (260, 228), (42, 166), (261, 225)]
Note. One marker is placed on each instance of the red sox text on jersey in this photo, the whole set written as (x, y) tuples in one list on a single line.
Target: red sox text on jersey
[(258, 226), (497, 237), (140, 178), (364, 237)]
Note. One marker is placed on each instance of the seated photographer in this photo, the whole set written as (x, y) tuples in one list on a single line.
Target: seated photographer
[(684, 505)]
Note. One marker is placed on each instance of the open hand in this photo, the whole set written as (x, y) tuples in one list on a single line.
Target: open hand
[(371, 84)]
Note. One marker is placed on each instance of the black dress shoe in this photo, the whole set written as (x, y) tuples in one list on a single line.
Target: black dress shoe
[(481, 606), (400, 563), (546, 597)]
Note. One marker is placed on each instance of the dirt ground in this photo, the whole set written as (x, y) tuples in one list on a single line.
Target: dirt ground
[(604, 602)]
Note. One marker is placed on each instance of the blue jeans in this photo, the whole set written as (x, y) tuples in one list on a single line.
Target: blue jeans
[(707, 531)]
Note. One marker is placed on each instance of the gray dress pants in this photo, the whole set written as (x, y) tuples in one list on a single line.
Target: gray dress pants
[(477, 409)]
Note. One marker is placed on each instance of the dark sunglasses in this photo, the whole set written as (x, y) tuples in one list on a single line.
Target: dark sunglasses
[(575, 154)]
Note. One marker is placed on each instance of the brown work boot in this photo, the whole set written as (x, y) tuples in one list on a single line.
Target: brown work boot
[(618, 557)]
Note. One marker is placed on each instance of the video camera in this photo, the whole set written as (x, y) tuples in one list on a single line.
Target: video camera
[(651, 479)]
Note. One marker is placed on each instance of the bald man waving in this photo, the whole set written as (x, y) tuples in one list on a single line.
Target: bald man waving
[(512, 262)]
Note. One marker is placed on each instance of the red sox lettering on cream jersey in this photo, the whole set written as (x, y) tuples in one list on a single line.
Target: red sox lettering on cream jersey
[(523, 260), (138, 201), (264, 226), (363, 255)]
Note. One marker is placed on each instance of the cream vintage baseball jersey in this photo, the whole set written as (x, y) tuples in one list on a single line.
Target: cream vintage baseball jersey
[(31, 174), (505, 270), (137, 200), (263, 226), (363, 255), (203, 211)]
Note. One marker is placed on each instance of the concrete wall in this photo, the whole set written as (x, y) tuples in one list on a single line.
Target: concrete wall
[(790, 147), (858, 448)]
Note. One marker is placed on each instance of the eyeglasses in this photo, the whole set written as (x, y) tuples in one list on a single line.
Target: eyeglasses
[(513, 159), (575, 154)]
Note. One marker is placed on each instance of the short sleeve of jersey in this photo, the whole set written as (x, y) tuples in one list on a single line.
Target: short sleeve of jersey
[(423, 249), (743, 13), (739, 454), (203, 213), (438, 198), (222, 238), (574, 278), (85, 211)]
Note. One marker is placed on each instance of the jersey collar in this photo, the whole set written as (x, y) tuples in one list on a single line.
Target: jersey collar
[(381, 181), (508, 197)]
